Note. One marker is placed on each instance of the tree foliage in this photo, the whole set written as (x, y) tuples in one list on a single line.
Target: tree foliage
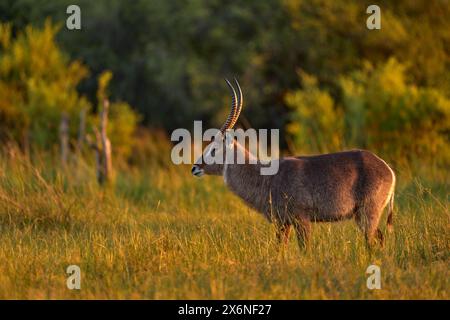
[(379, 110), (38, 83), (168, 58)]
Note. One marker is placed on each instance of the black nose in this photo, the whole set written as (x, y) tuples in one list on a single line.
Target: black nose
[(193, 168)]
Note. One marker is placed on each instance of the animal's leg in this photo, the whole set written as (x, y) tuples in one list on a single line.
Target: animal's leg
[(380, 237), (303, 230), (368, 219), (283, 231)]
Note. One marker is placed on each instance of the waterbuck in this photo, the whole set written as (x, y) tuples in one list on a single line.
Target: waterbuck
[(320, 188)]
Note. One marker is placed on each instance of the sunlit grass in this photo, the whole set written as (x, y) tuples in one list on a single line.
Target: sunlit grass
[(161, 234)]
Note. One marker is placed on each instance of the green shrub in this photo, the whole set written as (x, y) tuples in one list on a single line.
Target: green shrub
[(384, 112), (315, 123), (38, 83), (377, 109)]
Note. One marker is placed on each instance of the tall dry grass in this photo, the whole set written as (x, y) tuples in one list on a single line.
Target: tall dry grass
[(160, 233)]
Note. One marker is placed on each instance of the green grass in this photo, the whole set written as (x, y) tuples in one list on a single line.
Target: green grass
[(161, 234)]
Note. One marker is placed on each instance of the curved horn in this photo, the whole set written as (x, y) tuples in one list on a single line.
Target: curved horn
[(231, 120), (240, 99)]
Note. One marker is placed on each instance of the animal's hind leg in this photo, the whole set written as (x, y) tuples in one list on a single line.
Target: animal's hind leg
[(380, 237), (303, 230), (368, 219)]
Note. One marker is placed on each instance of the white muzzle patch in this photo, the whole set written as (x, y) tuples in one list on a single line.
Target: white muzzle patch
[(197, 171)]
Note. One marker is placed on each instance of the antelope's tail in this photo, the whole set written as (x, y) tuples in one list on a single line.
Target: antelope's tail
[(389, 224)]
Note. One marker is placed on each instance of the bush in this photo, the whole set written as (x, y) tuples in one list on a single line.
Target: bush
[(384, 112), (377, 109), (315, 122), (38, 83)]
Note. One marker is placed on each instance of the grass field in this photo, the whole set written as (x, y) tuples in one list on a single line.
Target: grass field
[(161, 234)]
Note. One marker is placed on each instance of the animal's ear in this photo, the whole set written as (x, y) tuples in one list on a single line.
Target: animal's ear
[(229, 140)]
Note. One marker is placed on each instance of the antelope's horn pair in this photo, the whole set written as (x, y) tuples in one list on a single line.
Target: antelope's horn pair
[(236, 106)]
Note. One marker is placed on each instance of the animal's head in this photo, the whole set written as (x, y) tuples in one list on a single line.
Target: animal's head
[(214, 155)]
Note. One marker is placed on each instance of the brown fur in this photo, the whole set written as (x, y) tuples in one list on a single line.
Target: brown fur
[(322, 188)]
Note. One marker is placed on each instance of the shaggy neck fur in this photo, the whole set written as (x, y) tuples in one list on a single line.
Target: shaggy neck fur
[(246, 181)]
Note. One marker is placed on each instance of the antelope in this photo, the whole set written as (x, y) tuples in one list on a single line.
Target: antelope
[(319, 188)]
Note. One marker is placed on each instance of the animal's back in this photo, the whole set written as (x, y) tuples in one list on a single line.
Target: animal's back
[(334, 186)]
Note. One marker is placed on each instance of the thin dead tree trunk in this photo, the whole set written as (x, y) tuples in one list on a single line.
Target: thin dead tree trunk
[(81, 130), (102, 148), (64, 137), (106, 143), (98, 158)]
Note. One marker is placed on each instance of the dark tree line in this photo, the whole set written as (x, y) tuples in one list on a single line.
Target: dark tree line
[(306, 67)]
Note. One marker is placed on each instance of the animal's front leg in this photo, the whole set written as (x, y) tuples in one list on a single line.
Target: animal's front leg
[(303, 230), (283, 231)]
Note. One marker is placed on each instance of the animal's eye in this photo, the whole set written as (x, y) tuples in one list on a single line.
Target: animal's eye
[(213, 152)]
